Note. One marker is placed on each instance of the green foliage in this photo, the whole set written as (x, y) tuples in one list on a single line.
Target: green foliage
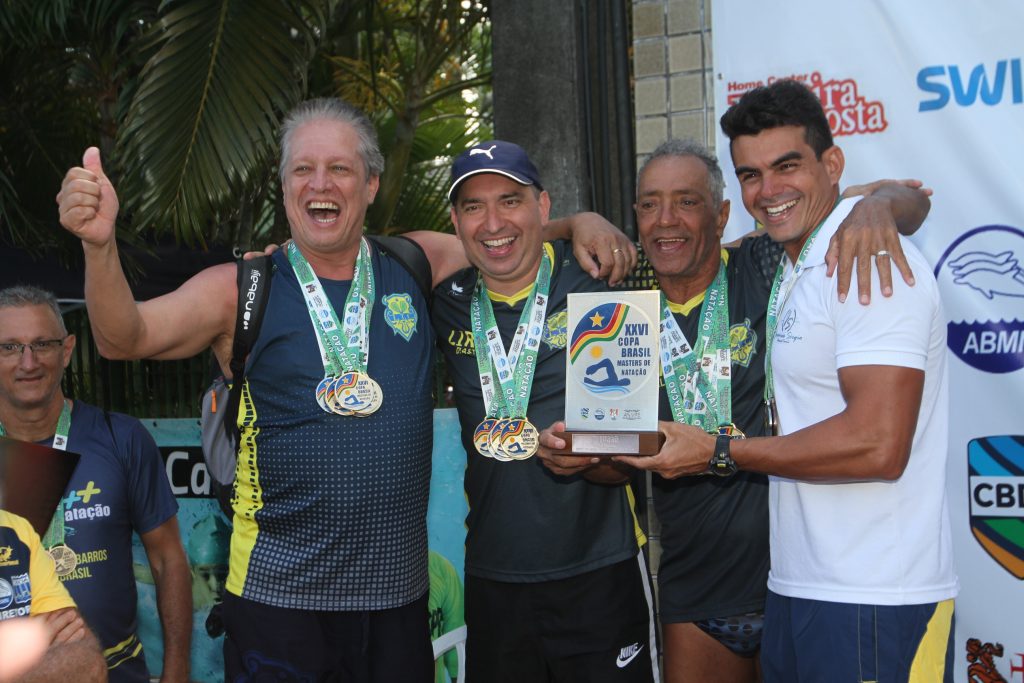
[(184, 97)]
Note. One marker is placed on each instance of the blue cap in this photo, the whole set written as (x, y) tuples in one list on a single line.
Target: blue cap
[(494, 156)]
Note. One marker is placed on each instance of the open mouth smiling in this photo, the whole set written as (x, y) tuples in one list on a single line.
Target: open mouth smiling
[(776, 211), (323, 212), (670, 243), (498, 243)]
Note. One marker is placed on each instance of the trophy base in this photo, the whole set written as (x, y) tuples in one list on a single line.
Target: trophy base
[(610, 443)]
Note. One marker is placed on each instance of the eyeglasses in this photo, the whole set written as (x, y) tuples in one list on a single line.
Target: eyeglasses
[(43, 348)]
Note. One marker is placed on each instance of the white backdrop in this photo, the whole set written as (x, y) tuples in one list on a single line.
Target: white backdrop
[(932, 89)]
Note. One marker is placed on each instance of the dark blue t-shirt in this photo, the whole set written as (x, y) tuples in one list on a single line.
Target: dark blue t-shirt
[(118, 487)]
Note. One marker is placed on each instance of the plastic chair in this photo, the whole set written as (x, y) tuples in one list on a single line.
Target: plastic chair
[(453, 639)]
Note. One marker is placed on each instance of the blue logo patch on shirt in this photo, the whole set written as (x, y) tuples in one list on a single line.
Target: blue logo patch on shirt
[(400, 314)]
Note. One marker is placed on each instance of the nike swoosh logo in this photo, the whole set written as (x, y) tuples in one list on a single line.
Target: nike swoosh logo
[(622, 663)]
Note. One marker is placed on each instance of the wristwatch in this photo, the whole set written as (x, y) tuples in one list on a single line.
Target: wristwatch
[(721, 463)]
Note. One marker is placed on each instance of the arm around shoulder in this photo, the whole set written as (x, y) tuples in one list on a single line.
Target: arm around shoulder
[(444, 252)]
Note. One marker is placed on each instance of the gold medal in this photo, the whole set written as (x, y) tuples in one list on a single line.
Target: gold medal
[(354, 391), (494, 441), (376, 397), (331, 397), (321, 394), (482, 437), (64, 559), (519, 439)]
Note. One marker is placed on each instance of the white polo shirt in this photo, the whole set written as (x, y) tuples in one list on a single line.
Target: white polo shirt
[(877, 542)]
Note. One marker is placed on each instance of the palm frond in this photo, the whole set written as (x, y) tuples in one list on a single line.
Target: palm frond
[(206, 112)]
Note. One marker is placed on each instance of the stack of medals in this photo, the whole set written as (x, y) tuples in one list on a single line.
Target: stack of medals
[(699, 382), (64, 558), (776, 301), (346, 389), (505, 434)]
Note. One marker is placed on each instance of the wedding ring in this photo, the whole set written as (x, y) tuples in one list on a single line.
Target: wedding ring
[(881, 253)]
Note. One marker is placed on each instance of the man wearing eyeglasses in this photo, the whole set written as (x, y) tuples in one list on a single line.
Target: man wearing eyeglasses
[(118, 487)]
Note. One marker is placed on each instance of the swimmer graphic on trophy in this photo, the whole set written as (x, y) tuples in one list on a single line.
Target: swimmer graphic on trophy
[(611, 378)]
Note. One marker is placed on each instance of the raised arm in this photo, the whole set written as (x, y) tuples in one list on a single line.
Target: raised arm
[(177, 325), (870, 230)]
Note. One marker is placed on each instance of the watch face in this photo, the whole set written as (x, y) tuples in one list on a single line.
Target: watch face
[(723, 465)]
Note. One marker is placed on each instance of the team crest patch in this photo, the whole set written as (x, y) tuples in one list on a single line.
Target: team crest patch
[(743, 342), (400, 314), (555, 330), (995, 471)]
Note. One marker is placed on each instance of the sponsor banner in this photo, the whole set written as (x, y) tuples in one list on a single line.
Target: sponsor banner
[(206, 532), (925, 90)]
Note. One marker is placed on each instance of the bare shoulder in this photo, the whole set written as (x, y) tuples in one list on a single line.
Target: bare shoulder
[(199, 314)]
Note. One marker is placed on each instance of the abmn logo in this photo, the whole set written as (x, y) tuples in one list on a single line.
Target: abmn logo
[(995, 476), (981, 278)]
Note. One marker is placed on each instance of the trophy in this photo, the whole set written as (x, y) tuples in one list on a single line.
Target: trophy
[(611, 375)]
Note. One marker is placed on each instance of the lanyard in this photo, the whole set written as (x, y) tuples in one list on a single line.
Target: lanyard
[(514, 371), (698, 379), (781, 289), (343, 344)]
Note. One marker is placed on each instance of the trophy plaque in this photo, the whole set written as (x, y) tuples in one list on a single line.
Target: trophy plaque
[(611, 375)]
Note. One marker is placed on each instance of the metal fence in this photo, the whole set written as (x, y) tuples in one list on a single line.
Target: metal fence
[(146, 388)]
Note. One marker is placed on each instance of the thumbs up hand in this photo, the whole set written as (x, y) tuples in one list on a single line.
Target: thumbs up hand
[(88, 202)]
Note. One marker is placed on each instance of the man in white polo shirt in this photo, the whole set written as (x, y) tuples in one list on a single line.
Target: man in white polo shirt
[(862, 580)]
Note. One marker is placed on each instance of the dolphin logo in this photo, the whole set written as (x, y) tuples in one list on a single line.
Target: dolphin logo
[(478, 150), (990, 274)]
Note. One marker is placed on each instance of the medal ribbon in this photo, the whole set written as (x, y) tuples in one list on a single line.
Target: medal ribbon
[(701, 375), (344, 346), (55, 532), (781, 289), (515, 378)]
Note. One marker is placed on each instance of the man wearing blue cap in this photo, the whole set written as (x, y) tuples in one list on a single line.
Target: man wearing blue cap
[(556, 586)]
